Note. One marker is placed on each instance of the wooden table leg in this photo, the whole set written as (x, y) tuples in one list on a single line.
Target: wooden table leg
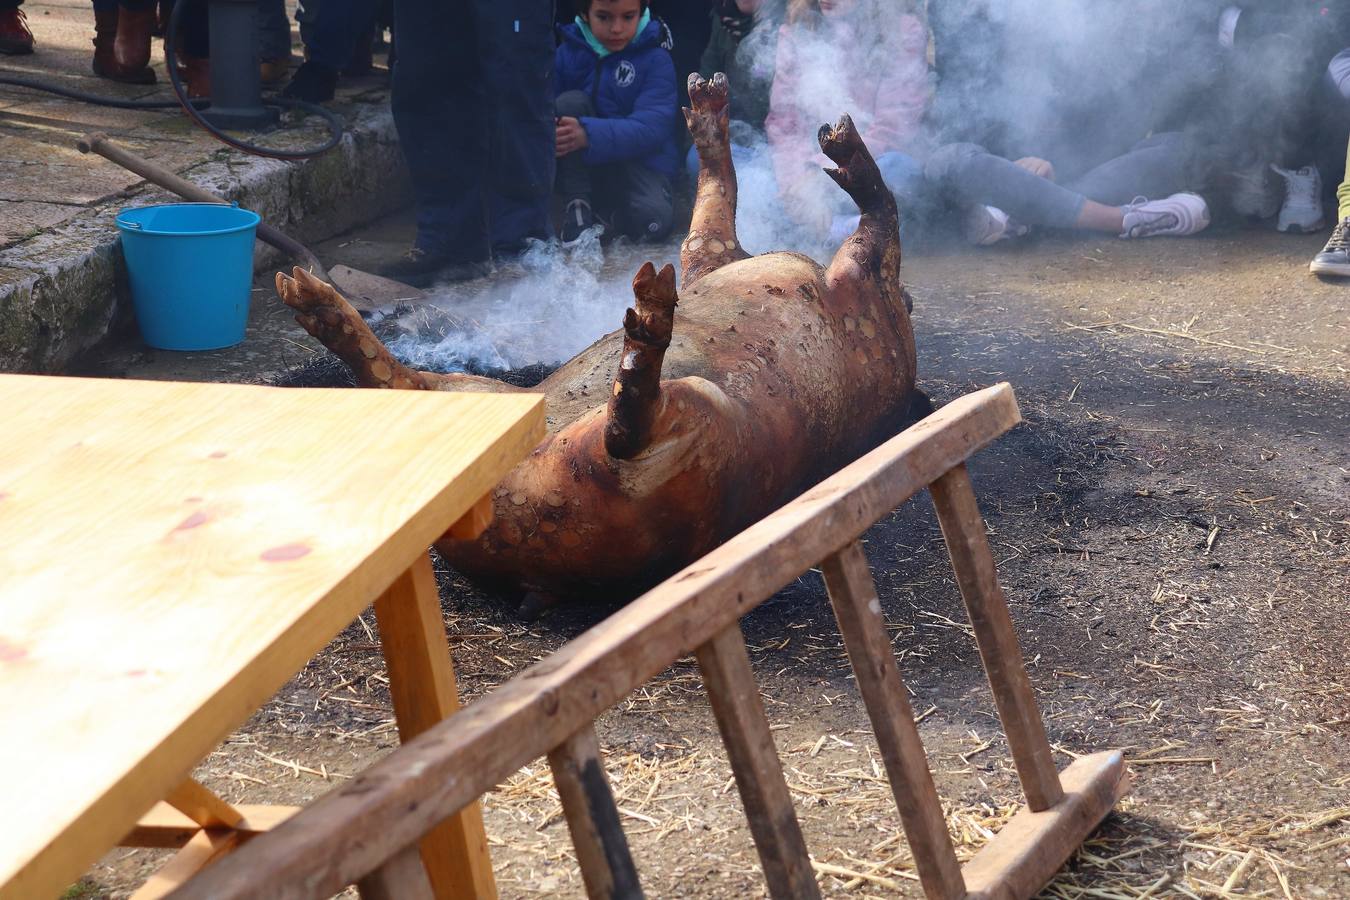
[(422, 682), (205, 847)]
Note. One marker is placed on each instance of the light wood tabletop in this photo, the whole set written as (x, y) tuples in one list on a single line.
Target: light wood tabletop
[(171, 554)]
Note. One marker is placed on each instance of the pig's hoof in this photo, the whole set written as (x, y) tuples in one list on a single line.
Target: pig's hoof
[(857, 173), (653, 320), (708, 95), (840, 141), (708, 116), (305, 293)]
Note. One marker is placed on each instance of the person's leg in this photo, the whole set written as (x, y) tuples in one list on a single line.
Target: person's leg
[(645, 207), (972, 175), (333, 33), (331, 39), (1343, 192), (439, 113), (1159, 166), (516, 49), (274, 31), (914, 196), (307, 16), (573, 177), (572, 181), (122, 33), (15, 38), (969, 175), (1334, 259)]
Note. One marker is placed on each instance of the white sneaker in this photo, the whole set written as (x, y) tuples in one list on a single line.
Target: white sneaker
[(1177, 215), (1256, 194), (986, 225), (1302, 209)]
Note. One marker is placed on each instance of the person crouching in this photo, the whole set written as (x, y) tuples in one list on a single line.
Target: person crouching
[(616, 112)]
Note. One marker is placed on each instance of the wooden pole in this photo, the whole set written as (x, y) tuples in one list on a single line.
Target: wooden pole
[(602, 848), (854, 596), (402, 877), (754, 760), (422, 684), (963, 529)]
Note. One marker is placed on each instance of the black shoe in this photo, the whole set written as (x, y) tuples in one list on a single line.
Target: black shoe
[(577, 217), (312, 83), (1335, 256)]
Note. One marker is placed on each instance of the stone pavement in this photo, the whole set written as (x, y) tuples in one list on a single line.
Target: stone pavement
[(62, 288)]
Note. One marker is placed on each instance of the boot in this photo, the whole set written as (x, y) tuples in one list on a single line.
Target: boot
[(196, 72), (122, 45), (273, 71), (15, 38)]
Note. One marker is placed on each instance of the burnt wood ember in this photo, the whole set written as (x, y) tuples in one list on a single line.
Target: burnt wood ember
[(712, 406)]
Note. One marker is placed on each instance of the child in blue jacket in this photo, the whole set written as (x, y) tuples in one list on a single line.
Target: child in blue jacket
[(616, 107)]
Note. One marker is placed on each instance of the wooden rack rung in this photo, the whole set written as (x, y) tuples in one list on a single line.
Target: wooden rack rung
[(739, 711), (593, 819), (402, 877), (963, 529), (858, 612)]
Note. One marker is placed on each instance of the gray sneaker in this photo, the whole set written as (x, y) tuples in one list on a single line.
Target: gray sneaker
[(1335, 256), (1177, 215)]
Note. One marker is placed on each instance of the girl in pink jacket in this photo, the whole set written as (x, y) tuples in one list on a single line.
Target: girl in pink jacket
[(866, 57)]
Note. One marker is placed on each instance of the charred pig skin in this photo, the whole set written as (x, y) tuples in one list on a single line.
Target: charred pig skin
[(712, 406)]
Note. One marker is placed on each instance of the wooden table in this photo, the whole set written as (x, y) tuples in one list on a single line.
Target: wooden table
[(171, 554)]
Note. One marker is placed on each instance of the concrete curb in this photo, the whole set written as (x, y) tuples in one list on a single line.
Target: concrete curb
[(64, 290)]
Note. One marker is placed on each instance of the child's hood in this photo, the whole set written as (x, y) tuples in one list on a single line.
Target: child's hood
[(654, 34)]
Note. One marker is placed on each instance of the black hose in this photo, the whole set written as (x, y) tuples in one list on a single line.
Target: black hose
[(335, 126), (95, 99)]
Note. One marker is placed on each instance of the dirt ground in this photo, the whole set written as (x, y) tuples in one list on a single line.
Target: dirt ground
[(1171, 528)]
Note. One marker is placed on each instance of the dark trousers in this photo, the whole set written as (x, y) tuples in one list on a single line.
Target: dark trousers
[(125, 4), (274, 29), (473, 103), (1160, 165), (332, 28), (637, 199)]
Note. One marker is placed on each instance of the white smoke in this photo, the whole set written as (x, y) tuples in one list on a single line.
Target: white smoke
[(553, 304), (1074, 81)]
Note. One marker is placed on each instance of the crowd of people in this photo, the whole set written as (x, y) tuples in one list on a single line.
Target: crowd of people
[(514, 117), (944, 93)]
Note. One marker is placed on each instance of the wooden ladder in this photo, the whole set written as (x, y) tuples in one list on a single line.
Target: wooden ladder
[(367, 831)]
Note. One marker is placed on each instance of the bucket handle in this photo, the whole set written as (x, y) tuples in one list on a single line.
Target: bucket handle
[(234, 204)]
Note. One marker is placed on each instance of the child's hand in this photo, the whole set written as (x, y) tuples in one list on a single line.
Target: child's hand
[(571, 136), (1037, 166)]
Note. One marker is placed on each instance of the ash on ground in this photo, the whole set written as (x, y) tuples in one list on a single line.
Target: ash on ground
[(327, 371)]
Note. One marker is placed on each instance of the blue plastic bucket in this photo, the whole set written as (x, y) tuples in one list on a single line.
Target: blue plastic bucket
[(191, 270)]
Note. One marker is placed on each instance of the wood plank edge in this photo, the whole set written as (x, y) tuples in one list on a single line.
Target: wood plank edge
[(1028, 851)]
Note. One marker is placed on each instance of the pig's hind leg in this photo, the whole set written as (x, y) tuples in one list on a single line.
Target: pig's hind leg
[(712, 230), (873, 251), (327, 315)]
